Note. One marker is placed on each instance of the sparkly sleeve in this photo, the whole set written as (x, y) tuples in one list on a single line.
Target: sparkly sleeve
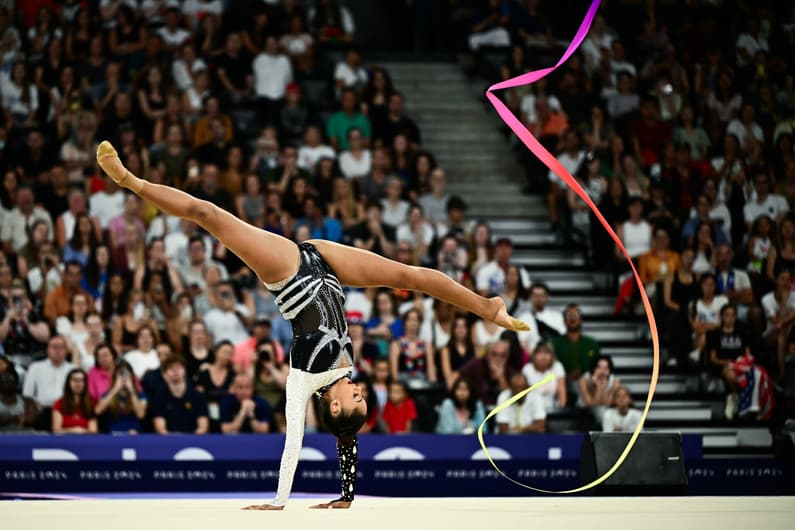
[(349, 459), (299, 390)]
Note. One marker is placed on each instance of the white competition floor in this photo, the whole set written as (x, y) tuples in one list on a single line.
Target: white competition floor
[(543, 513)]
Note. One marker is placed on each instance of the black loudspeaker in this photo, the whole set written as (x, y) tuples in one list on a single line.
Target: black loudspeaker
[(655, 466)]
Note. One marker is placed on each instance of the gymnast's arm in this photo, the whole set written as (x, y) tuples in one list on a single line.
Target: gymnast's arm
[(348, 453)]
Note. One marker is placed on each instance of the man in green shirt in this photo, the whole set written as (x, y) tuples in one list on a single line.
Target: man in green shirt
[(575, 351), (341, 122)]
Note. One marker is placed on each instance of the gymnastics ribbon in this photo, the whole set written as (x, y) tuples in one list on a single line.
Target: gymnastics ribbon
[(552, 163)]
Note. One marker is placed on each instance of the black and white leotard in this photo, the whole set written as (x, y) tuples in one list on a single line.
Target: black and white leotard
[(320, 354)]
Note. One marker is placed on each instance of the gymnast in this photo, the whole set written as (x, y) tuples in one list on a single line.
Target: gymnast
[(307, 281)]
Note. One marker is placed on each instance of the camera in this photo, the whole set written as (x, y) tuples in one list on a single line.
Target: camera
[(49, 262), (124, 373)]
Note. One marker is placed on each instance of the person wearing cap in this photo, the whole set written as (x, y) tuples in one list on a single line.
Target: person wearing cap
[(272, 73), (491, 276)]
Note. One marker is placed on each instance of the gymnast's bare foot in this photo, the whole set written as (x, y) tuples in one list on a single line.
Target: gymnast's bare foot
[(503, 319), (263, 507)]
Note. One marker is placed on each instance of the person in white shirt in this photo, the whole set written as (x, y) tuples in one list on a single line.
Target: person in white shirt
[(733, 282), (527, 415), (144, 357), (779, 308), (356, 162), (173, 36), (272, 73), (705, 313), (106, 204), (314, 149), (44, 380), (622, 417), (395, 209), (749, 43), (350, 73), (14, 232), (542, 364), (229, 319), (417, 231), (193, 272), (773, 205), (747, 131), (184, 68), (434, 203), (490, 280)]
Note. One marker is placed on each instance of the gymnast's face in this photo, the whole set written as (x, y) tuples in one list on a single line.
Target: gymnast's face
[(346, 397)]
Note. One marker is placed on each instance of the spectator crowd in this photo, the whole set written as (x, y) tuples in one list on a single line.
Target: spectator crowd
[(116, 317)]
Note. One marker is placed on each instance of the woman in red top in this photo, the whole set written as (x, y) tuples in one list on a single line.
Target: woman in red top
[(74, 412)]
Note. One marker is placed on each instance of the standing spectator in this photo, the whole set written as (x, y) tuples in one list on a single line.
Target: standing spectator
[(272, 73), (543, 363), (123, 407), (74, 412), (23, 331), (528, 415), (242, 411), (343, 121), (400, 412), (598, 386), (575, 350), (621, 417), (179, 408), (461, 412), (233, 68), (489, 375)]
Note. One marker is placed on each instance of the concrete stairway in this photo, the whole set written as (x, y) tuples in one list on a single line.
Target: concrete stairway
[(465, 138)]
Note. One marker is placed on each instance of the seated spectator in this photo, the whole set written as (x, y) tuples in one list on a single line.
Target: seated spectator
[(14, 232), (394, 209), (74, 328), (192, 272), (143, 357), (434, 202), (635, 234), (396, 122), (703, 215), (349, 73), (733, 282), (373, 410), (73, 413), (23, 331), (12, 404), (490, 279), (384, 324), (648, 133), (128, 255), (372, 233), (764, 203), (597, 387), (489, 375), (242, 411), (680, 289), (704, 314), (411, 358), (344, 207), (331, 22), (489, 27), (625, 100), (621, 417), (590, 179), (417, 231), (245, 354), (294, 116), (759, 246), (452, 258), (657, 263), (749, 134), (185, 67), (215, 380), (122, 408), (100, 375), (179, 408), (526, 416), (45, 380), (554, 394), (341, 122), (313, 149), (298, 44), (83, 242), (575, 350), (461, 412), (270, 374), (400, 412), (692, 134), (514, 294), (779, 307), (703, 247), (458, 351), (153, 382), (726, 344), (570, 157), (228, 321), (550, 323), (356, 162), (364, 349), (319, 224), (782, 255), (59, 301)]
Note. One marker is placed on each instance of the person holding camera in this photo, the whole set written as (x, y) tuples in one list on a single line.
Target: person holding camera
[(45, 276), (122, 408), (23, 331), (229, 320)]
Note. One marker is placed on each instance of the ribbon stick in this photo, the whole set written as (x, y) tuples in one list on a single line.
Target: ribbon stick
[(552, 163)]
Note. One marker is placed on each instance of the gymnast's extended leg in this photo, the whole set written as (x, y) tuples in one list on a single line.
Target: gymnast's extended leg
[(272, 257), (361, 268)]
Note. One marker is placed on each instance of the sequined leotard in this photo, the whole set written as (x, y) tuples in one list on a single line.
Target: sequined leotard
[(320, 354)]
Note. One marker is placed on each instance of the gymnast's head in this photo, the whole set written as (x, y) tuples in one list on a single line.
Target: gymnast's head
[(344, 410)]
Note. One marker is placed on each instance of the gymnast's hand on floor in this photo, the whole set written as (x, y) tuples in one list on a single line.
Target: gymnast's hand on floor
[(503, 319), (263, 507), (108, 160), (333, 505)]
